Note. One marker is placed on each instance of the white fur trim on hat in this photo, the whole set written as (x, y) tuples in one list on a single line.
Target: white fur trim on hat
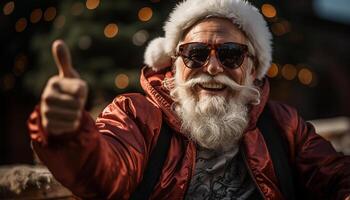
[(156, 56), (187, 13)]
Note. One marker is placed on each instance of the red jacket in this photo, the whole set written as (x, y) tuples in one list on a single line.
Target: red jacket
[(105, 159)]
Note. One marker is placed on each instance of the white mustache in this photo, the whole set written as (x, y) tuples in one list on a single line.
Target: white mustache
[(247, 92), (222, 79)]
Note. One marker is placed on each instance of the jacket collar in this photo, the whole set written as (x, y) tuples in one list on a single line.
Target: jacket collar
[(255, 111), (152, 84)]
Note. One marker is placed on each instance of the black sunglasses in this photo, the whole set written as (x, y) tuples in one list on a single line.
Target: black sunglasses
[(230, 54)]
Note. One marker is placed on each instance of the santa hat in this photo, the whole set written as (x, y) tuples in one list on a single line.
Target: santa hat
[(159, 51)]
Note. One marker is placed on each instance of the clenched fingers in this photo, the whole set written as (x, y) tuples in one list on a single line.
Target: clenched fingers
[(62, 104), (72, 86)]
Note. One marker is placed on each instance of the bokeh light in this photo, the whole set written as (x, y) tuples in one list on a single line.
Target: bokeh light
[(268, 10), (111, 30), (281, 28), (289, 71), (36, 15), (140, 37), (92, 4), (121, 81), (273, 70), (8, 82), (305, 76), (21, 24), (21, 62), (145, 14), (9, 8), (60, 21), (50, 14), (84, 42), (77, 8)]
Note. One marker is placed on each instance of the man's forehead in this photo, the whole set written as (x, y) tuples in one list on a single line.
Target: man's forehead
[(215, 27)]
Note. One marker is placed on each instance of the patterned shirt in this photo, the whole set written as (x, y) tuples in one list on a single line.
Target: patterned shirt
[(221, 176)]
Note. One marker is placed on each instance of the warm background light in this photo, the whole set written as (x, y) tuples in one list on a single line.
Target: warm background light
[(305, 76), (9, 8), (8, 82), (50, 14), (140, 37), (60, 21), (121, 81), (273, 71), (145, 14), (92, 4), (111, 30), (20, 64), (77, 8), (36, 15), (289, 71), (281, 28), (21, 24), (268, 10), (84, 42)]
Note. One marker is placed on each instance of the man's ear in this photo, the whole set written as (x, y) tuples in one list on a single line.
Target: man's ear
[(256, 81)]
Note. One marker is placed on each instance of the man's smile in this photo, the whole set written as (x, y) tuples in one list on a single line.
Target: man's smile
[(212, 86)]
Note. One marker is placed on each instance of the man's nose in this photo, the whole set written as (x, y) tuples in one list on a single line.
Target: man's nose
[(213, 66)]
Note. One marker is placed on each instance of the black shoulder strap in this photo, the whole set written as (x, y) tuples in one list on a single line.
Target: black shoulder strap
[(155, 164), (278, 152)]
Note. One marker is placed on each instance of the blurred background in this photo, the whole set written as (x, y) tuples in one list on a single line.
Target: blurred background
[(107, 38)]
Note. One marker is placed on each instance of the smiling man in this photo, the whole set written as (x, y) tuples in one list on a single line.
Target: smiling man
[(214, 76), (205, 129)]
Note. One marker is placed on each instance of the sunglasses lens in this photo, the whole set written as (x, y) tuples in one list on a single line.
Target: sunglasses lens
[(231, 55), (194, 54)]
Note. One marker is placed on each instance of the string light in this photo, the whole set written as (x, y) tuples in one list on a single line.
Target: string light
[(145, 14), (21, 24), (289, 72), (50, 14), (121, 81), (111, 30), (92, 4), (77, 8), (305, 76), (36, 15), (9, 8), (268, 10), (273, 70), (140, 37)]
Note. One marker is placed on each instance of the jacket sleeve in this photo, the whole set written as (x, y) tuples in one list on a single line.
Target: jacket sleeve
[(103, 159), (324, 172)]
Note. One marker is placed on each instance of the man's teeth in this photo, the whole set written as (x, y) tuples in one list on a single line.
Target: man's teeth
[(212, 85)]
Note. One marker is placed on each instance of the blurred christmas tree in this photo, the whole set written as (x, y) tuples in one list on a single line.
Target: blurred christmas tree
[(106, 38)]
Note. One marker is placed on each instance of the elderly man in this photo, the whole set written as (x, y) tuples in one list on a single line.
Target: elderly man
[(205, 90)]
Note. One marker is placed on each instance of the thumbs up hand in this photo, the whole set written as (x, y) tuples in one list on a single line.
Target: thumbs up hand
[(64, 96)]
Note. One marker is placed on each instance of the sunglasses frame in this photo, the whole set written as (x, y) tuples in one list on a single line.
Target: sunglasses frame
[(213, 47)]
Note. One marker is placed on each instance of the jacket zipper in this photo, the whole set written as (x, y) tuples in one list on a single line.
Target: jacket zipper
[(251, 173)]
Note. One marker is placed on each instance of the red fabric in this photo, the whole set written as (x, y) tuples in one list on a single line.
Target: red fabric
[(105, 159)]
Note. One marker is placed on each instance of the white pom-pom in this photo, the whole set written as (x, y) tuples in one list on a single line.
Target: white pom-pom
[(156, 56)]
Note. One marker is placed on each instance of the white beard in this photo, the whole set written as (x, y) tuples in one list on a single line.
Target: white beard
[(213, 122)]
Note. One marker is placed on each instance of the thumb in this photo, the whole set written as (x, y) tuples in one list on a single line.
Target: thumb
[(63, 60)]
